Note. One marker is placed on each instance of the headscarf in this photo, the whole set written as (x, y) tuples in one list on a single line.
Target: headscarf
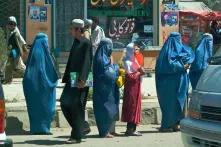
[(173, 55), (16, 30), (203, 52), (102, 56), (130, 63), (40, 60)]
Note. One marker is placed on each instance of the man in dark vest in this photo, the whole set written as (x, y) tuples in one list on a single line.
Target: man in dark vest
[(73, 98)]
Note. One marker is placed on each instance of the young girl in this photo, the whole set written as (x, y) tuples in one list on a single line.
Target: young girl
[(131, 111)]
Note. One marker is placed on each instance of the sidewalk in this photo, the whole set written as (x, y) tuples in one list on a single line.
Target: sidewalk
[(17, 116), (14, 91)]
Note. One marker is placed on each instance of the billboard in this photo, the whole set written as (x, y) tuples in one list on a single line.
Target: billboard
[(169, 19)]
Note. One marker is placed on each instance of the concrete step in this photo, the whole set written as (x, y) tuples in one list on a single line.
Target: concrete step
[(17, 115)]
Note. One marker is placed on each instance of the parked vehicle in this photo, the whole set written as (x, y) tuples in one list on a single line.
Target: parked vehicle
[(202, 127), (3, 139)]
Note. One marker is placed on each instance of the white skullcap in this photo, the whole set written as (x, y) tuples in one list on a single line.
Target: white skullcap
[(78, 23), (12, 19)]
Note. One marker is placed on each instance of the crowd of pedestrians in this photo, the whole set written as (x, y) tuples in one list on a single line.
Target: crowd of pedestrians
[(91, 53)]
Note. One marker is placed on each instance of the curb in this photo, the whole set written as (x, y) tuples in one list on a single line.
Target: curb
[(18, 121)]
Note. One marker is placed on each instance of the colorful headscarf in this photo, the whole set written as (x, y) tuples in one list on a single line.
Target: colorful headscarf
[(130, 63)]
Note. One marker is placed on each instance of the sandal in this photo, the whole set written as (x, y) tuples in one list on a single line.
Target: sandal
[(109, 136)]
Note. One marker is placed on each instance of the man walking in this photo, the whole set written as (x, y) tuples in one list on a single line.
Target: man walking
[(72, 99), (97, 34), (16, 48)]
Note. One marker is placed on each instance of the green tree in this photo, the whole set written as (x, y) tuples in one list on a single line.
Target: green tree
[(3, 48)]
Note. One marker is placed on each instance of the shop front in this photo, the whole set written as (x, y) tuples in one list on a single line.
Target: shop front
[(124, 20)]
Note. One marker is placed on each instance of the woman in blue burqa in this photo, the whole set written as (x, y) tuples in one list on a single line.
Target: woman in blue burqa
[(39, 86), (106, 92), (172, 81), (203, 52)]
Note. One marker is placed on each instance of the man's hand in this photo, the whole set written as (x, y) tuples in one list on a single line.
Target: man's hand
[(80, 84)]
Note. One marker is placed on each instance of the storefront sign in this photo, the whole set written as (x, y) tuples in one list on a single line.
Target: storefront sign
[(116, 2), (121, 27)]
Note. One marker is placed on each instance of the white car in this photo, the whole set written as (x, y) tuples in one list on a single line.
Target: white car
[(202, 127)]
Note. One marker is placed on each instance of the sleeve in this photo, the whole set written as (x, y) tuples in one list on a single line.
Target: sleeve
[(175, 63), (132, 76), (111, 74), (87, 35), (19, 44), (66, 77), (86, 65), (97, 37)]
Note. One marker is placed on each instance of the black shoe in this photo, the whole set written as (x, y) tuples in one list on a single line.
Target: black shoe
[(176, 128), (166, 130), (73, 141), (134, 133), (87, 131)]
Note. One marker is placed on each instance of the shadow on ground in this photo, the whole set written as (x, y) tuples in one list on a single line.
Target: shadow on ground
[(15, 127), (42, 142)]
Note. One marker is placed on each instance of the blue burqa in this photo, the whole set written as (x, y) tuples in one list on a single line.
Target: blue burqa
[(105, 91), (172, 79), (39, 86), (202, 53)]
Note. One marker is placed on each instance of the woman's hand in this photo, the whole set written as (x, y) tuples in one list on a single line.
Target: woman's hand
[(187, 66), (81, 84), (141, 70), (111, 60)]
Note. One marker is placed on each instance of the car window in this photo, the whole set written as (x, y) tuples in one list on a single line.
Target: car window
[(210, 80)]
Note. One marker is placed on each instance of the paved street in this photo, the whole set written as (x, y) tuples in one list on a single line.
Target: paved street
[(151, 138)]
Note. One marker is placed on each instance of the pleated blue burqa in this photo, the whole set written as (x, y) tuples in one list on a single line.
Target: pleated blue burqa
[(203, 52), (172, 79), (105, 90), (39, 86)]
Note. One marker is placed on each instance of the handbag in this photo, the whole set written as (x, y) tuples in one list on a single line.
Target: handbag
[(120, 81), (74, 79), (121, 78)]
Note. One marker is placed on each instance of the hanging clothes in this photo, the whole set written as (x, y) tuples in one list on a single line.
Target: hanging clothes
[(172, 80), (105, 90), (39, 86), (203, 52)]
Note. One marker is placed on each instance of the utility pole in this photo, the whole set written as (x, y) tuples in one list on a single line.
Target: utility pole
[(53, 24), (85, 9)]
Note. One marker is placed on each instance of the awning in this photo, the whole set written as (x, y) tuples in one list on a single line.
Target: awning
[(198, 9)]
